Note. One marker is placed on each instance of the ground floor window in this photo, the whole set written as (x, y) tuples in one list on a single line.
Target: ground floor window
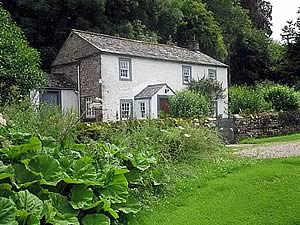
[(51, 97), (89, 110), (214, 109), (143, 109), (126, 109)]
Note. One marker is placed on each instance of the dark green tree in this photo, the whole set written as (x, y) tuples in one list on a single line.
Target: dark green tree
[(19, 64)]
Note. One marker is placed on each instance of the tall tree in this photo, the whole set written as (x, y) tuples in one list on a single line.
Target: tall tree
[(19, 64)]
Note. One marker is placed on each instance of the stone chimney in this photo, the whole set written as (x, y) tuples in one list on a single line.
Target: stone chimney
[(193, 45)]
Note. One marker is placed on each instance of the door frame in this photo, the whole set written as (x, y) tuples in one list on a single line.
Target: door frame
[(159, 97)]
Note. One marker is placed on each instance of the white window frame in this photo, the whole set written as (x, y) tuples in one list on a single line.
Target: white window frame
[(123, 108), (186, 73), (212, 74), (125, 68), (143, 109), (90, 111)]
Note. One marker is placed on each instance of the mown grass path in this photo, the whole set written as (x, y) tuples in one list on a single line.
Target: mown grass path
[(261, 193)]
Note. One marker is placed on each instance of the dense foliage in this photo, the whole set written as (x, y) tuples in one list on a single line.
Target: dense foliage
[(262, 98), (19, 64), (188, 104), (211, 89), (244, 99), (117, 168), (236, 32)]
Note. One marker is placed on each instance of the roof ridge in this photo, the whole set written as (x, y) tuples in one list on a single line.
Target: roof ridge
[(132, 40)]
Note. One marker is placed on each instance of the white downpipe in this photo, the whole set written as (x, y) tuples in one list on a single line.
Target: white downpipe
[(78, 87)]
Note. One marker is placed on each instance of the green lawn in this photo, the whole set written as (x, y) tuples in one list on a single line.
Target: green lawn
[(283, 138), (232, 192)]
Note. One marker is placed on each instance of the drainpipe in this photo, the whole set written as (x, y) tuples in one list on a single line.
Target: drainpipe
[(78, 87)]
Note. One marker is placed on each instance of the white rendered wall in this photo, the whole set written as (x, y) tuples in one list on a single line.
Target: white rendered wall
[(69, 100), (146, 72)]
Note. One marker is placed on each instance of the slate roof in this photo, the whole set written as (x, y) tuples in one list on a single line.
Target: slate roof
[(149, 91), (123, 46), (60, 80)]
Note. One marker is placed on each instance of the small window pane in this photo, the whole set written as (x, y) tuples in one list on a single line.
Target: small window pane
[(90, 111), (214, 108)]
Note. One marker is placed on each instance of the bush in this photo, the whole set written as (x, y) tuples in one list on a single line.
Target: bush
[(281, 97), (244, 99), (211, 89), (188, 104)]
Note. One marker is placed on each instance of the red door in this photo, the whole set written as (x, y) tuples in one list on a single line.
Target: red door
[(164, 105)]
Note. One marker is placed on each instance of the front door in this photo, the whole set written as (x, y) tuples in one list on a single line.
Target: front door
[(163, 105)]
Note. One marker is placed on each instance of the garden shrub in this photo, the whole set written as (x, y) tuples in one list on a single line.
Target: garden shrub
[(244, 99), (211, 89), (282, 97), (188, 104)]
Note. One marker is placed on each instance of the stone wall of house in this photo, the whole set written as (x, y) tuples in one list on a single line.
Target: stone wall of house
[(90, 76), (267, 124)]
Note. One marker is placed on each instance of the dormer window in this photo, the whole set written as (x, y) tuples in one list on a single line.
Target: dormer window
[(186, 74), (125, 68)]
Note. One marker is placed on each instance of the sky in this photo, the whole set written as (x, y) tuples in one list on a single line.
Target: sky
[(283, 10)]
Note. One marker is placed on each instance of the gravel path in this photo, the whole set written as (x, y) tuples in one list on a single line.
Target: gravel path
[(280, 150)]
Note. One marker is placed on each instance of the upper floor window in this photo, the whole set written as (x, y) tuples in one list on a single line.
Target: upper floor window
[(186, 74), (212, 74), (89, 110), (125, 68)]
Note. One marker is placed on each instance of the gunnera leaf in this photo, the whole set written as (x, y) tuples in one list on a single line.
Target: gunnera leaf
[(6, 171), (24, 177), (47, 167), (130, 206), (116, 187), (82, 197), (62, 205), (95, 219), (7, 212), (28, 204)]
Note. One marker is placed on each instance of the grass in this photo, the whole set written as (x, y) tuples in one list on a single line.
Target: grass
[(232, 192), (283, 138)]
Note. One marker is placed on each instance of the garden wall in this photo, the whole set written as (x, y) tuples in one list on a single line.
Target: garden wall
[(267, 124)]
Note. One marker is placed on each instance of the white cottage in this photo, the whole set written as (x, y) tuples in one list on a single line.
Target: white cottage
[(133, 78)]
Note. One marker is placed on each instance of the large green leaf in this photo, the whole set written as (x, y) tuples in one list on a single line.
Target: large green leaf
[(82, 172), (131, 206), (7, 212), (6, 171), (83, 197), (16, 151), (53, 216), (62, 205), (5, 190), (24, 177), (29, 206), (116, 187), (96, 219), (47, 167)]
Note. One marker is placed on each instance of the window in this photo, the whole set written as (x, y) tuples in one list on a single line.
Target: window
[(125, 69), (143, 109), (90, 111), (212, 74), (186, 74), (126, 109), (51, 97), (214, 109)]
